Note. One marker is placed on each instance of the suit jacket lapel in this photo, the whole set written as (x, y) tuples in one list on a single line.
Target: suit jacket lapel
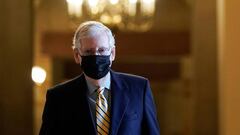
[(119, 101)]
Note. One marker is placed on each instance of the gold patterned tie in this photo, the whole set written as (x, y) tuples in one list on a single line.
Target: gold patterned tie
[(102, 113)]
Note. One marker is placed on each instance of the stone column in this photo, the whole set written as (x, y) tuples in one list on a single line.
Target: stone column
[(229, 66), (205, 74), (16, 96)]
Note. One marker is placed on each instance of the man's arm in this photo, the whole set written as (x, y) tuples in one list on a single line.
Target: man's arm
[(150, 124), (49, 115)]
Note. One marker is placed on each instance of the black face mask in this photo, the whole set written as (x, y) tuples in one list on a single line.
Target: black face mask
[(96, 66)]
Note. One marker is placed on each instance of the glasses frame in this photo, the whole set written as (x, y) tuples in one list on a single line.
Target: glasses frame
[(98, 51)]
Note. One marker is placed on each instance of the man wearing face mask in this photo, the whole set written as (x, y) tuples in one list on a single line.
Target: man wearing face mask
[(99, 101)]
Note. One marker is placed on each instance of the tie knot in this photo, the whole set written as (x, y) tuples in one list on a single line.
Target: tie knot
[(100, 90)]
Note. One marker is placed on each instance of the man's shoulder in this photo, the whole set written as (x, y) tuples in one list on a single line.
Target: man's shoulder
[(65, 86), (132, 81), (130, 77)]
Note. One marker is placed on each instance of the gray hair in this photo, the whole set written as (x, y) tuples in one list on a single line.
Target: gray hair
[(90, 29)]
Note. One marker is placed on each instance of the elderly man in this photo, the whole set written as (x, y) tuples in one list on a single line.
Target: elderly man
[(99, 101)]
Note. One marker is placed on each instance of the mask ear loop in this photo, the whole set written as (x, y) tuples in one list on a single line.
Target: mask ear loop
[(79, 56), (111, 54), (111, 57)]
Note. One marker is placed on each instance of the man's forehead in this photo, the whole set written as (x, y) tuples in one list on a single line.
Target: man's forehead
[(96, 35), (91, 32), (96, 41)]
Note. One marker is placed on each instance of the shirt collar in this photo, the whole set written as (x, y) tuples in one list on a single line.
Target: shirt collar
[(106, 82)]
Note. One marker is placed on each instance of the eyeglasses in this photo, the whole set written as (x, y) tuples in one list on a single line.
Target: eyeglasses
[(99, 51)]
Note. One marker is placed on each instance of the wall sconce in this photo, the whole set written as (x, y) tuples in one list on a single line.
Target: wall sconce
[(38, 75)]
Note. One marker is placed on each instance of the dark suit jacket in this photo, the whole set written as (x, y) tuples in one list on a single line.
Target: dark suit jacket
[(67, 110)]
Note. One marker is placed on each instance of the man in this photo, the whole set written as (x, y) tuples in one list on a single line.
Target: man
[(99, 101)]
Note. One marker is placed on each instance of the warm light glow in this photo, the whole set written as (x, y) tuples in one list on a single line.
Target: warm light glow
[(133, 1), (92, 3), (105, 19), (117, 19), (75, 7), (148, 7), (38, 75), (134, 15), (114, 2), (132, 7), (148, 1)]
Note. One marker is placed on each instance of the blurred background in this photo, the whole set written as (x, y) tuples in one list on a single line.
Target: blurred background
[(188, 49)]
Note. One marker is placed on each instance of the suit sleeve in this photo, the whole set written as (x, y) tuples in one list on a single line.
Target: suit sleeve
[(150, 124), (48, 117)]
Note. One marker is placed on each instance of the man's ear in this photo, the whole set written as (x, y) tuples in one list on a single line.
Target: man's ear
[(77, 56), (113, 54)]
